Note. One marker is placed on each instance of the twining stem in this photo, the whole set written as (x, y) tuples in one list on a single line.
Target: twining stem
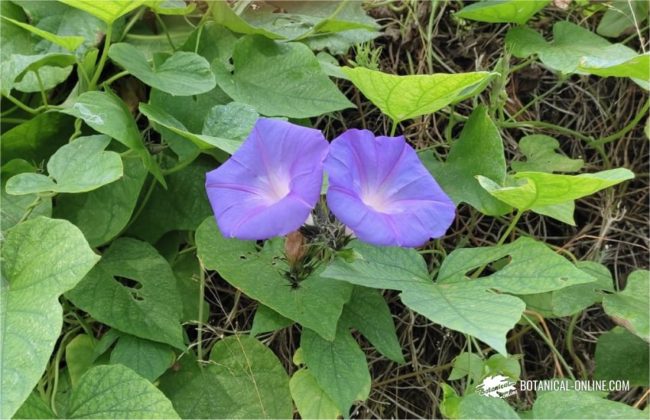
[(102, 58), (199, 329), (629, 127), (582, 371), (547, 339)]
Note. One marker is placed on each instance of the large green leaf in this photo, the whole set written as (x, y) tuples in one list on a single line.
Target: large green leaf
[(279, 79), (102, 214), (310, 399), (575, 49), (253, 377), (41, 259), (455, 300), (502, 11), (68, 42), (134, 290), (541, 155), (630, 306), (147, 358), (117, 392), (316, 304), (579, 405), (532, 267), (182, 206), (380, 268), (537, 189), (405, 97), (108, 114), (368, 312), (80, 166), (183, 73), (339, 367), (107, 10), (160, 118), (620, 355), (478, 151), (243, 379)]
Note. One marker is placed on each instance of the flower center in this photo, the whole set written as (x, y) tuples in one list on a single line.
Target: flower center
[(278, 189), (376, 201)]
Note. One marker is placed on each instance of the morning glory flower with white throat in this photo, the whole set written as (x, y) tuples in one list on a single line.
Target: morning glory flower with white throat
[(379, 188), (269, 186)]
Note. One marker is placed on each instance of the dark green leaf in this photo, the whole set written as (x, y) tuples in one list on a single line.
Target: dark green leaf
[(146, 358), (620, 355), (267, 320), (630, 306)]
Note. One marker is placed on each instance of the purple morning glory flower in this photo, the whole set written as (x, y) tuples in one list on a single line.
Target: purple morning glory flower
[(379, 188), (270, 185)]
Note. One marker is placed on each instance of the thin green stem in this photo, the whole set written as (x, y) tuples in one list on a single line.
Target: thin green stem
[(102, 58), (199, 321), (548, 341), (41, 87), (629, 127), (393, 129), (582, 371), (510, 227), (114, 77)]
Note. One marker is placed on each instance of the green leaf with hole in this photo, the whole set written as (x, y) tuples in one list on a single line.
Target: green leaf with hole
[(310, 399), (368, 312), (478, 151), (339, 367), (629, 307), (107, 114), (41, 259), (117, 392), (621, 355), (77, 167), (107, 10), (103, 213), (133, 289), (406, 97), (279, 79), (68, 42), (541, 155), (533, 190), (502, 11), (160, 118), (316, 304), (574, 405), (182, 74), (146, 358)]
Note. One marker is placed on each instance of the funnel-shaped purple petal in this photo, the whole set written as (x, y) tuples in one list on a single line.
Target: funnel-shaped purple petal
[(379, 188), (270, 185)]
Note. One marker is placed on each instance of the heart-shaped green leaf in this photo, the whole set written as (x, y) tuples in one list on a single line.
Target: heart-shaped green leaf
[(133, 289), (316, 304), (80, 166), (541, 155), (41, 259), (405, 97), (312, 402), (502, 11), (182, 74)]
